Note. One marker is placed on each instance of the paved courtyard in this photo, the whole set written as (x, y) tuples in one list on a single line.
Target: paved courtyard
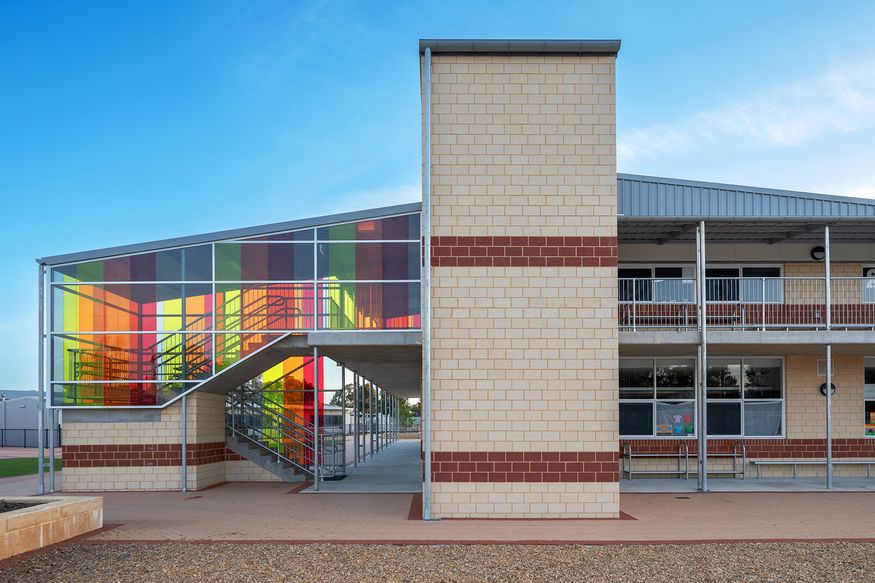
[(272, 512)]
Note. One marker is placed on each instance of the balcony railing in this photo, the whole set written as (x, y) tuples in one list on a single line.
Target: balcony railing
[(748, 303)]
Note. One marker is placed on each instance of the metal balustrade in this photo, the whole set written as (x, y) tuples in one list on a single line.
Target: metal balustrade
[(286, 435), (747, 303)]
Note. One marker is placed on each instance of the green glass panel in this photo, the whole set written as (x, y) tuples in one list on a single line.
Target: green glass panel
[(228, 262)]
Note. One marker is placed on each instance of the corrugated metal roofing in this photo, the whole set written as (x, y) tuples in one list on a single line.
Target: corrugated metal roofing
[(640, 200), (668, 198)]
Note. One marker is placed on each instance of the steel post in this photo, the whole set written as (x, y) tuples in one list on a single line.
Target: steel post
[(355, 420), (316, 438), (702, 409), (184, 443), (51, 450), (41, 401), (425, 316), (343, 413), (827, 269), (829, 416)]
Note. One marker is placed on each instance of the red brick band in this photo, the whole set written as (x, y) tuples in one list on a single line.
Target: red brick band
[(499, 466), (764, 448), (524, 251), (138, 455)]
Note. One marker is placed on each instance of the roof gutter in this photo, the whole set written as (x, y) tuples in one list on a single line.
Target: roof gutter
[(519, 47)]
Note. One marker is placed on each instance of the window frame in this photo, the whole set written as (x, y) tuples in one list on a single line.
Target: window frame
[(863, 282), (868, 362), (739, 267), (654, 400), (741, 400)]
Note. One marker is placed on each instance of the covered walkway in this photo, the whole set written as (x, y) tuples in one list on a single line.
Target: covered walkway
[(394, 470)]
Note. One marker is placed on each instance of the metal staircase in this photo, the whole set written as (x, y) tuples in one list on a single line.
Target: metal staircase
[(258, 428), (279, 440)]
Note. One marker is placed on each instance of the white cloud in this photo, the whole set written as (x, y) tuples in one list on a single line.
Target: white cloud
[(839, 102), (860, 187)]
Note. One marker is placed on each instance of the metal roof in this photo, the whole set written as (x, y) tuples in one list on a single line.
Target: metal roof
[(520, 46), (649, 209), (669, 199), (350, 217)]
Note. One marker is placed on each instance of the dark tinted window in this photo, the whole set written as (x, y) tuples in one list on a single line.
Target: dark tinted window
[(636, 419)]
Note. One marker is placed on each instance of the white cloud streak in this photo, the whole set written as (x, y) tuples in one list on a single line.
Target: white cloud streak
[(841, 101)]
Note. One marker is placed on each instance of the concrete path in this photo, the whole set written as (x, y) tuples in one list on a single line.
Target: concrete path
[(14, 452), (26, 485), (394, 470), (670, 485), (269, 512)]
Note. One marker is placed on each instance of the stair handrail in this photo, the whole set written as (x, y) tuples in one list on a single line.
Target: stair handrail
[(310, 444)]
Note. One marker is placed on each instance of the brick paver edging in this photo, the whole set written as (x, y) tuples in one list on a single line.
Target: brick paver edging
[(450, 541)]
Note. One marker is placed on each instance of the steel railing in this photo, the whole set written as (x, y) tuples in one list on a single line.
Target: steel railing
[(287, 435), (748, 303)]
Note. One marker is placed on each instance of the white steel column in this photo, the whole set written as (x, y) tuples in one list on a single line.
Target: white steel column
[(41, 401), (355, 420), (425, 316), (343, 411), (52, 427), (827, 270), (701, 401), (184, 404)]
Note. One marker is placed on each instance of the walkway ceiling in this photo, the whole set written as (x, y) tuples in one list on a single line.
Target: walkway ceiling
[(631, 230)]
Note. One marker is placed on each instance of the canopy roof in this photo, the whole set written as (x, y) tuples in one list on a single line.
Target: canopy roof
[(649, 209)]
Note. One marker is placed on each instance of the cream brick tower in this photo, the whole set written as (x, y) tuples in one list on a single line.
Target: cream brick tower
[(523, 283)]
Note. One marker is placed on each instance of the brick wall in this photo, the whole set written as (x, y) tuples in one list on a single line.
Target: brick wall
[(107, 455), (524, 336), (524, 251)]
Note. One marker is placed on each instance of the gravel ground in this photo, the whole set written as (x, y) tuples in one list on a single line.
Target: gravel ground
[(166, 563)]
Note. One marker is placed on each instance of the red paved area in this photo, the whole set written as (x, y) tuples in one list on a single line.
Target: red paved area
[(250, 512)]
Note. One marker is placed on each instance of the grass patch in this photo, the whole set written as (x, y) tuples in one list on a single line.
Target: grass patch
[(22, 466)]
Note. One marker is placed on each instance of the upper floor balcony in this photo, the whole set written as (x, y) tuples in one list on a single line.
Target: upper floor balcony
[(748, 303)]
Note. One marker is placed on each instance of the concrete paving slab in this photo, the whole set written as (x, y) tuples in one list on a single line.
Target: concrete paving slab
[(394, 470), (26, 485)]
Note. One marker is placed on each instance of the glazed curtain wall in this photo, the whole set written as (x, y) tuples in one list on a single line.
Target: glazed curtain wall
[(139, 330)]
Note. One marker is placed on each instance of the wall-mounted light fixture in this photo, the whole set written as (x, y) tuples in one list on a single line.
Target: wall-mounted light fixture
[(832, 389)]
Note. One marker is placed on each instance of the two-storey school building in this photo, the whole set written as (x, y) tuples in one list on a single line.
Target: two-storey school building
[(564, 325)]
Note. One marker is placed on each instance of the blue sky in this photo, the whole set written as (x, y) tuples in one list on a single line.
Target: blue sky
[(131, 121)]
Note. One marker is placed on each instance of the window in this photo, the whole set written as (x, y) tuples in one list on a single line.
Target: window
[(869, 285), (672, 284), (657, 397), (746, 284), (869, 397), (635, 284), (745, 397)]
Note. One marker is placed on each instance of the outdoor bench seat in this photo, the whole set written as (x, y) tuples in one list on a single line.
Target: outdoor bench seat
[(808, 462)]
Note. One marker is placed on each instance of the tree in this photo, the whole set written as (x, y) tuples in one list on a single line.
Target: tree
[(406, 411)]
